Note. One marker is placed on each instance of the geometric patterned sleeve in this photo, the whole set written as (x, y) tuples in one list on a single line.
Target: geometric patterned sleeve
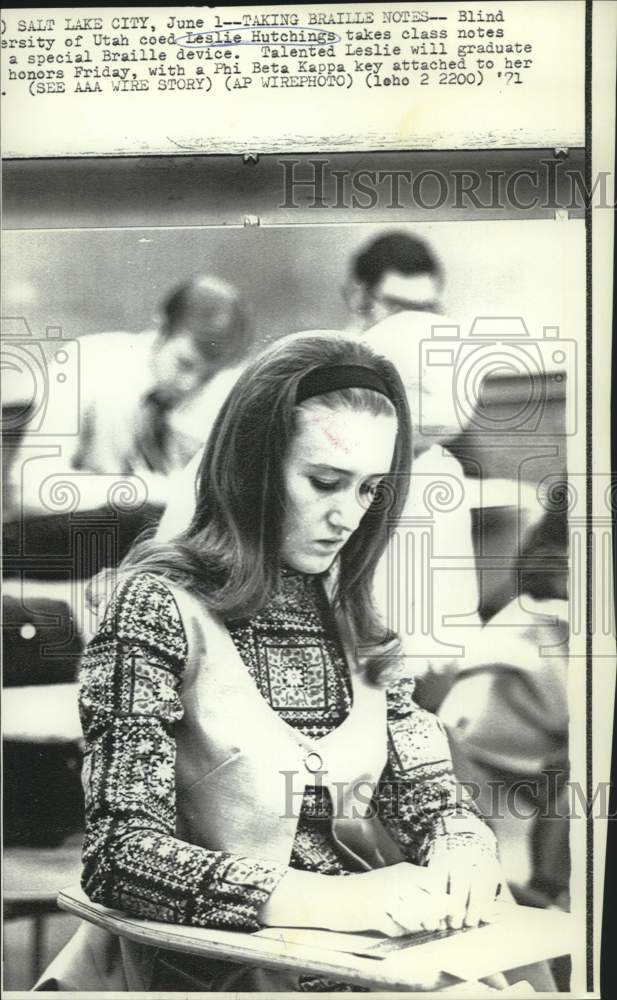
[(419, 798), (129, 703)]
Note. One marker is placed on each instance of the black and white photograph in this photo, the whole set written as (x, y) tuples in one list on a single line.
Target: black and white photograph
[(308, 665)]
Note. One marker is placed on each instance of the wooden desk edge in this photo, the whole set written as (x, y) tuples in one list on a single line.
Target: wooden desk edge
[(236, 946)]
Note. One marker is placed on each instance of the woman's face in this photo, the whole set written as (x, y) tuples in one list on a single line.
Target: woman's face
[(335, 462)]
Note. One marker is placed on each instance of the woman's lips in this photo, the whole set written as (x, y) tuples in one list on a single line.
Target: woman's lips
[(329, 543)]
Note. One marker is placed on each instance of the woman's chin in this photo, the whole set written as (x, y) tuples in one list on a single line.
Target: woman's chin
[(311, 563)]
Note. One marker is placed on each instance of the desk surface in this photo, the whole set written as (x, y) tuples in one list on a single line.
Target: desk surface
[(520, 936)]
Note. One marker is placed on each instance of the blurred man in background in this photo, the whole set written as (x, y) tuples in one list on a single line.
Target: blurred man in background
[(392, 273), (146, 399)]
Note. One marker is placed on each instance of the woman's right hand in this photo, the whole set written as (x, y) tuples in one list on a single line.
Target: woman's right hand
[(394, 900)]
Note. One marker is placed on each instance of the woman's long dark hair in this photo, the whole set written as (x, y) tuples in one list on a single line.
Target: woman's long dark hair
[(230, 553)]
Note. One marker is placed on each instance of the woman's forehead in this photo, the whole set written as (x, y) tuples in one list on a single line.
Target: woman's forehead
[(344, 438)]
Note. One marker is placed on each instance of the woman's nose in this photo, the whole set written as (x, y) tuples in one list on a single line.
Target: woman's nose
[(346, 512)]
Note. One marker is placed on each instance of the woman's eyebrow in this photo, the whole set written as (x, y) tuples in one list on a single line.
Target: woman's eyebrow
[(323, 467)]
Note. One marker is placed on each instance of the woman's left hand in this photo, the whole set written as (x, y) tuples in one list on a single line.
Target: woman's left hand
[(470, 878)]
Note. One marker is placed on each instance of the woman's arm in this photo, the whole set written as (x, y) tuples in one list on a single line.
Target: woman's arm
[(433, 817), (422, 799), (129, 704)]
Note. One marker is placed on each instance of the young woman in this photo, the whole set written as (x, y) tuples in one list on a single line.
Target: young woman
[(253, 754)]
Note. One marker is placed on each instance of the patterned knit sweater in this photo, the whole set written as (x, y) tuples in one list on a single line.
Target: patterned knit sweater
[(130, 700)]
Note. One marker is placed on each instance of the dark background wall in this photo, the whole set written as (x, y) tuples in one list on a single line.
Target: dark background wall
[(221, 190)]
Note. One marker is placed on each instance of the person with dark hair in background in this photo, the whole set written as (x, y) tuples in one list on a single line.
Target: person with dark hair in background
[(148, 399), (393, 273), (253, 752)]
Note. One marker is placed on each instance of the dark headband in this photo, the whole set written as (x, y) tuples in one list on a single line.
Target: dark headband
[(329, 378)]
